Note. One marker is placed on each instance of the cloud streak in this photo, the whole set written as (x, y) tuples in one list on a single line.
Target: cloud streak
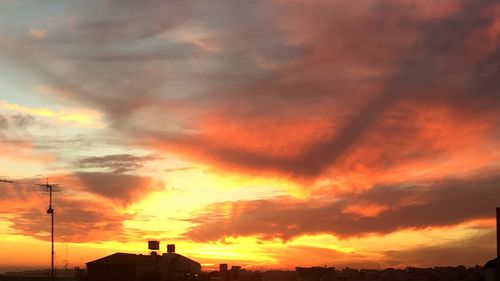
[(77, 221), (122, 188), (117, 163), (405, 206)]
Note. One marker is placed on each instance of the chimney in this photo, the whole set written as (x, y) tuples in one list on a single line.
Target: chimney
[(153, 245), (223, 267), (171, 248)]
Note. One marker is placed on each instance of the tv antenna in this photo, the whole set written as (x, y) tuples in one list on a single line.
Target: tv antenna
[(66, 261), (50, 188)]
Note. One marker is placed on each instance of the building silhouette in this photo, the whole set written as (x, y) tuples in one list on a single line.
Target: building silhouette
[(169, 266), (315, 273), (492, 267)]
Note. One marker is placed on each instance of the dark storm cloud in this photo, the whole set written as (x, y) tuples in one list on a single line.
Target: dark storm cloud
[(117, 163), (410, 206)]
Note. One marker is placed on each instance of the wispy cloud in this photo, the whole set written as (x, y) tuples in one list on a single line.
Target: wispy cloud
[(38, 33), (410, 206)]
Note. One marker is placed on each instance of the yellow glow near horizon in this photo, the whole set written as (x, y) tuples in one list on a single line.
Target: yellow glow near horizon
[(81, 117), (251, 252)]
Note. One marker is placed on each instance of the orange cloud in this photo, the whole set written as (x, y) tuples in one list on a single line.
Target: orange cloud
[(77, 221), (121, 188), (445, 203), (38, 33), (365, 210), (56, 92), (23, 151)]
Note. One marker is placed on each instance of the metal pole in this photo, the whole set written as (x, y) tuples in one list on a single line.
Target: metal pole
[(52, 253), (497, 271), (51, 212)]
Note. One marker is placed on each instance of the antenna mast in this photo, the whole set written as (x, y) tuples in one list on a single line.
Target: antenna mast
[(66, 260), (50, 211)]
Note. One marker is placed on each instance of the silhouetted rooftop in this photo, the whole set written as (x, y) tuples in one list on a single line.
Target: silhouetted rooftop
[(492, 263), (133, 259), (123, 258)]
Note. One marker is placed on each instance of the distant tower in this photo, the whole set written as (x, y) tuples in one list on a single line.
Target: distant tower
[(171, 248), (153, 245), (66, 261)]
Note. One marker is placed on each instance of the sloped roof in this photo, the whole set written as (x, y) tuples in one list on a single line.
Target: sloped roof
[(173, 257), (124, 259), (133, 259), (492, 263)]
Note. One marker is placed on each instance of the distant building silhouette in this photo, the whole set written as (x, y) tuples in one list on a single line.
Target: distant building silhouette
[(456, 273), (131, 267), (75, 274), (223, 268), (224, 274), (315, 273), (489, 269), (492, 267)]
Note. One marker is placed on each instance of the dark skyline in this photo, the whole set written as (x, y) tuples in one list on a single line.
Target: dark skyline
[(268, 133)]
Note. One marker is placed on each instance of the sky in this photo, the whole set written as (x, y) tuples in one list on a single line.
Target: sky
[(266, 134)]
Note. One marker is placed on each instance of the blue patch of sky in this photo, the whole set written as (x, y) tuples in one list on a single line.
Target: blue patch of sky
[(19, 16), (18, 86)]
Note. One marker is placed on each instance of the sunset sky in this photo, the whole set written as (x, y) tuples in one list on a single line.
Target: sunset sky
[(267, 134)]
